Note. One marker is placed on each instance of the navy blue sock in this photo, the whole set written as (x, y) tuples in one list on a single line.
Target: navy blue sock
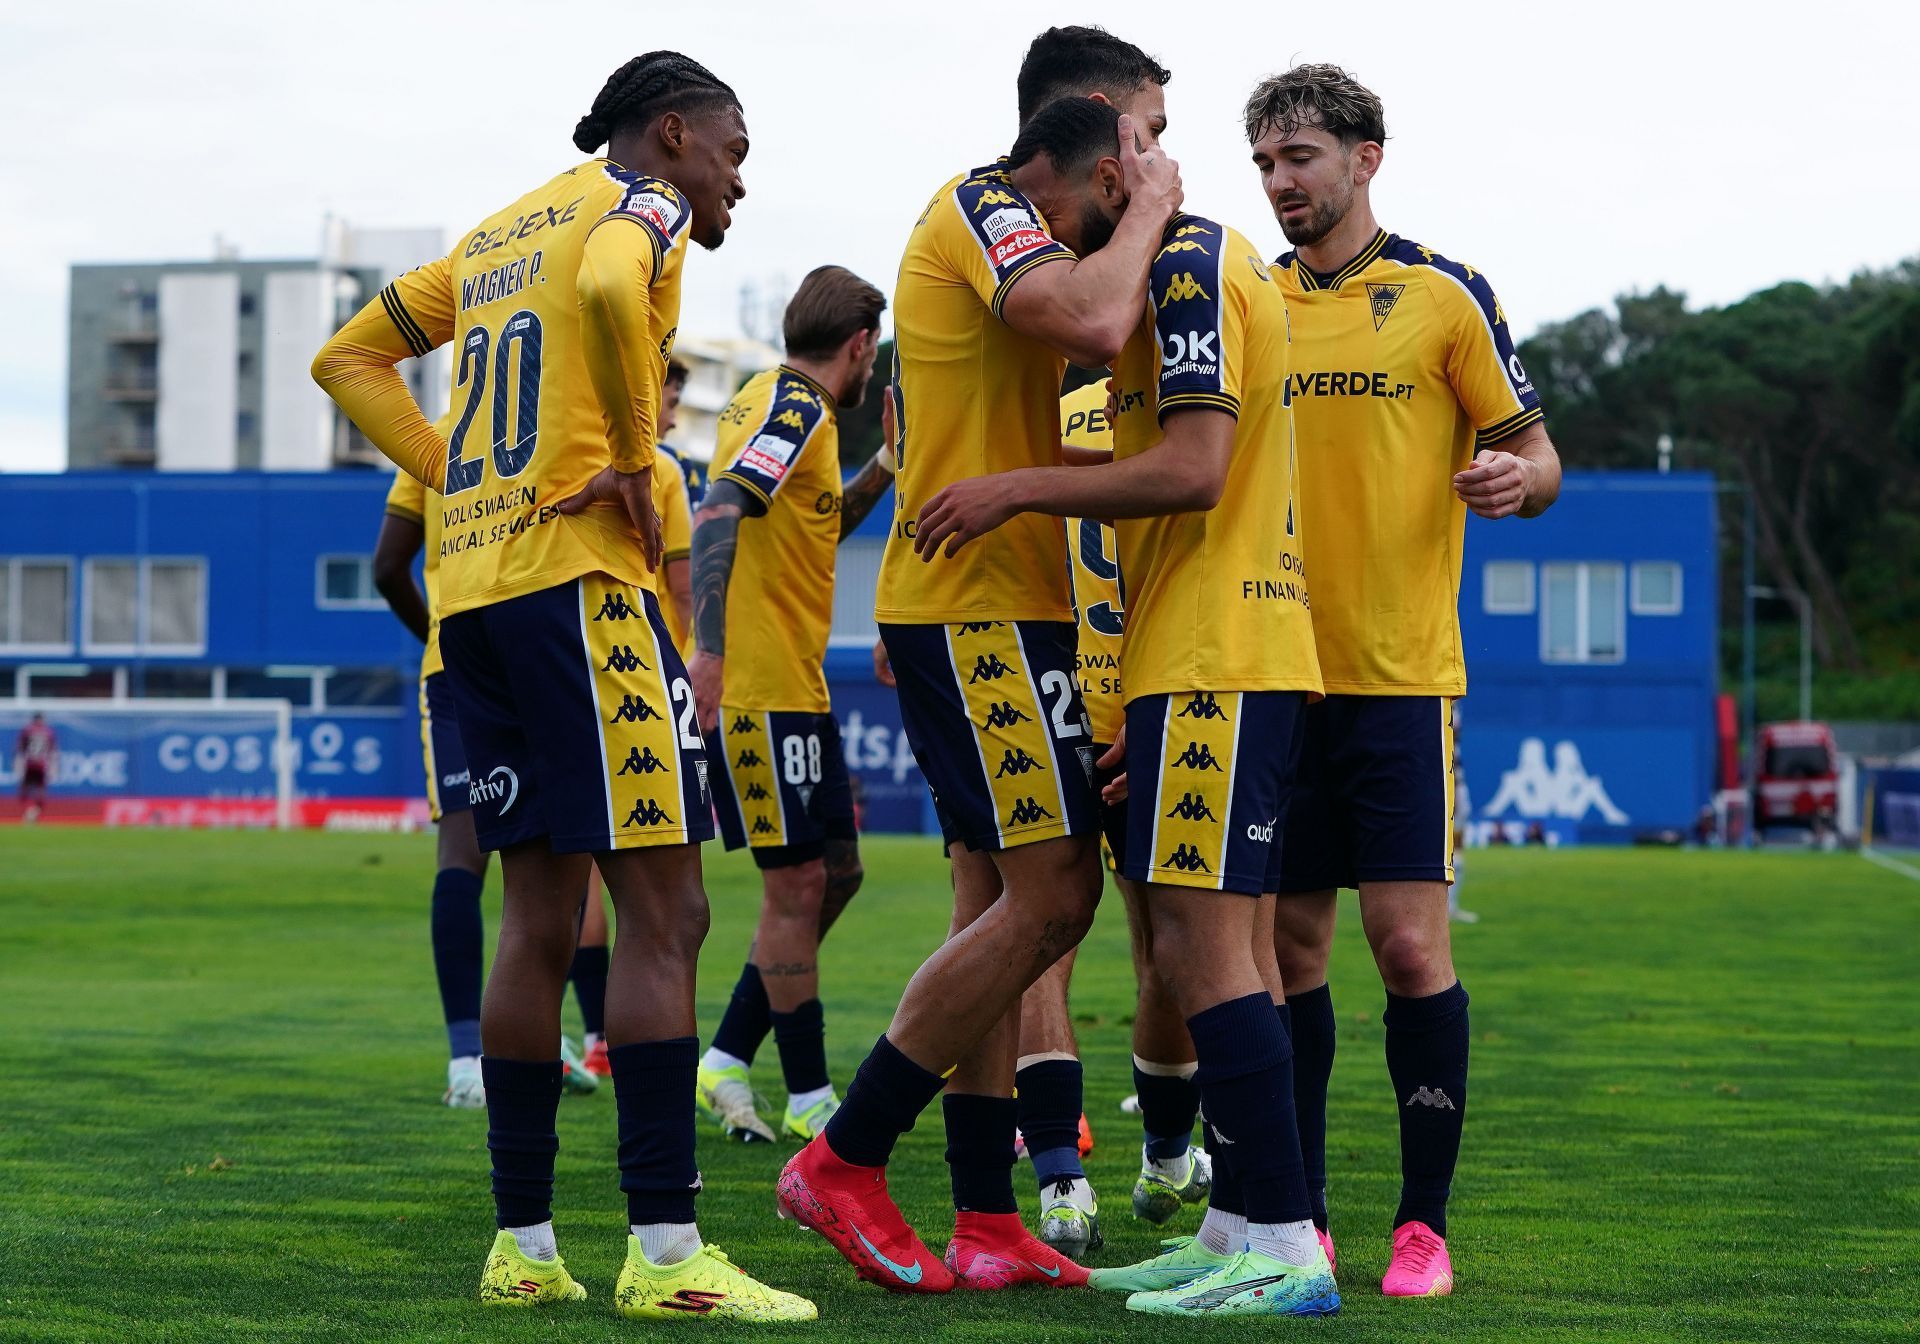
[(1167, 1108), (1048, 1100), (748, 1018), (1313, 1040), (1427, 1059), (653, 1092), (802, 1038), (589, 977), (980, 1152), (886, 1096), (1226, 1195), (523, 1097), (1246, 1081), (458, 956)]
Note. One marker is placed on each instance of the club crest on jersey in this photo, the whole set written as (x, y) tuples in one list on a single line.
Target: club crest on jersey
[(1383, 297)]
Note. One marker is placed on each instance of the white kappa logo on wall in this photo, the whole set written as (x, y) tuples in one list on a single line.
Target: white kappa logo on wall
[(1566, 791), (500, 782)]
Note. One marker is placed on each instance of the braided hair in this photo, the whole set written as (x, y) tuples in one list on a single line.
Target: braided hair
[(643, 88)]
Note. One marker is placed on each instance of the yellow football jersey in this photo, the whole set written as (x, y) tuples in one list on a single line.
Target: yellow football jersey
[(780, 441), (407, 498), (1403, 369), (973, 396), (1096, 574), (1216, 601), (676, 543), (529, 429)]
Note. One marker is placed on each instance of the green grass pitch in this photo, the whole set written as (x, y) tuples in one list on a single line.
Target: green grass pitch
[(1695, 1090)]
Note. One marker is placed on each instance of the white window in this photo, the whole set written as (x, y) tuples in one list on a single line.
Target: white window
[(1656, 588), (345, 583), (36, 605), (156, 606), (1506, 588), (1582, 613)]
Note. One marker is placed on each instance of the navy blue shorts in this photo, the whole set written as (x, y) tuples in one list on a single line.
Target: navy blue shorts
[(446, 759), (578, 720), (1374, 801), (1209, 777), (784, 790), (992, 711)]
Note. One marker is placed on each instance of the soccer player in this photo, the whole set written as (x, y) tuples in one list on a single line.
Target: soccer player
[(36, 750), (1217, 664), (695, 472), (1411, 408), (575, 710), (764, 549), (987, 307)]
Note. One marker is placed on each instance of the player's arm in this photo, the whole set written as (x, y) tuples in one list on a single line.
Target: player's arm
[(1186, 472), (1515, 470), (1086, 308), (873, 480), (393, 555), (355, 367), (716, 543), (676, 542)]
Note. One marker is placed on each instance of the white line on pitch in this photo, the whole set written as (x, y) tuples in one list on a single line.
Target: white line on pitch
[(1891, 865)]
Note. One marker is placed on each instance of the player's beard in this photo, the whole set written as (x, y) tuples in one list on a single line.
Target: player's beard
[(1323, 217), (1095, 228)]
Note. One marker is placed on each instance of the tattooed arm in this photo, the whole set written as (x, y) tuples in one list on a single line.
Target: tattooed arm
[(716, 540), (861, 494)]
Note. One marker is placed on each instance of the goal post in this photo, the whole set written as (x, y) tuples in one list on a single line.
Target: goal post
[(156, 748)]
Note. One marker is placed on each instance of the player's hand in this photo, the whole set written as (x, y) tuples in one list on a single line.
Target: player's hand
[(1113, 401), (1115, 792), (882, 665), (707, 673), (961, 512), (1496, 485), (1152, 179), (633, 490)]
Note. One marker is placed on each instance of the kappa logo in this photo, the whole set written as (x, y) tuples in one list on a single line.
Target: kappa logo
[(800, 394), (1028, 812), (1183, 287), (633, 709), (1183, 245), (791, 419), (500, 783), (742, 723), (761, 826), (640, 762), (1383, 297), (979, 627), (1202, 706), (749, 760), (624, 659), (1015, 761), (757, 793), (988, 667), (993, 196), (1189, 230), (1434, 1097), (1197, 756), (1193, 807), (1186, 859), (613, 607), (1565, 791), (647, 812), (1004, 714)]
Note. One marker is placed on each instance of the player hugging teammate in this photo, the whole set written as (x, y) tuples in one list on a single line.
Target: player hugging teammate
[(1253, 748)]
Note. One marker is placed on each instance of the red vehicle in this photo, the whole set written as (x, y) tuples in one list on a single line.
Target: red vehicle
[(1797, 779)]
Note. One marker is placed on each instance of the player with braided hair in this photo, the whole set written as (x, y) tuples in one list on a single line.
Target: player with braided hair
[(575, 710)]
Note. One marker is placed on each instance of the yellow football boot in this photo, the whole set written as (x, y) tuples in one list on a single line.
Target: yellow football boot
[(706, 1285), (512, 1280)]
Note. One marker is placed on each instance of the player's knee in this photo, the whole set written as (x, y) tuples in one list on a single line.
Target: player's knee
[(1413, 962), (796, 892)]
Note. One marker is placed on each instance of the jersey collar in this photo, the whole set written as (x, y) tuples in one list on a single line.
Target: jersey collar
[(789, 371), (1312, 279)]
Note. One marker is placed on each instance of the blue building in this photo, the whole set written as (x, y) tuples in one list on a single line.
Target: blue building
[(1590, 638)]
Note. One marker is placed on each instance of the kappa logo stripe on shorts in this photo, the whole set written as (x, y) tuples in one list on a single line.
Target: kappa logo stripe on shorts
[(1003, 702), (1193, 804), (646, 718), (747, 741)]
